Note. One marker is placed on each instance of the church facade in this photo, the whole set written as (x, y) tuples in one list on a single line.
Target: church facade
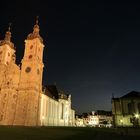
[(126, 110), (23, 100)]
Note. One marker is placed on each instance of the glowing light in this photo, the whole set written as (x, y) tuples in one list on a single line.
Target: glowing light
[(136, 115), (121, 121)]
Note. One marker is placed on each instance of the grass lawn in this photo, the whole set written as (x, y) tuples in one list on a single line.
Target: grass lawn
[(66, 133)]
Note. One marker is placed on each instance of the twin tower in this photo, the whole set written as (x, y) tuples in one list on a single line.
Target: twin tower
[(21, 87)]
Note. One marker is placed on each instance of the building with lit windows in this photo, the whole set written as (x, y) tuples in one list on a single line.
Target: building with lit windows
[(99, 118), (126, 110), (22, 100)]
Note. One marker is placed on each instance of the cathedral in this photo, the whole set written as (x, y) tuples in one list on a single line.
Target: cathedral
[(23, 99)]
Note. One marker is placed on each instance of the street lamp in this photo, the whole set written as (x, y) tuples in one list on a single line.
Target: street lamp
[(121, 122), (137, 116), (136, 119)]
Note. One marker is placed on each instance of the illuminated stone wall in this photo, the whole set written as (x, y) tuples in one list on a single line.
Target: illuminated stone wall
[(22, 101), (126, 111), (56, 112), (9, 80)]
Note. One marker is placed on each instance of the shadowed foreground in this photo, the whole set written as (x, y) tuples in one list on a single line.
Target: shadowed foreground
[(68, 133)]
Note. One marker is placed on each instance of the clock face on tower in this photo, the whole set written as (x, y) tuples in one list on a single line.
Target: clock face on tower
[(28, 69)]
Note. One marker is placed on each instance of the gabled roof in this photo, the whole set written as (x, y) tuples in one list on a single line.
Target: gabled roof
[(51, 91), (103, 112), (132, 94)]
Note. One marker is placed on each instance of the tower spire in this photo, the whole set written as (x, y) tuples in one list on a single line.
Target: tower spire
[(8, 34), (7, 38), (36, 27), (35, 33), (37, 17), (9, 28)]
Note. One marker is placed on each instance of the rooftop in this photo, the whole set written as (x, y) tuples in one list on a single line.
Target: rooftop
[(132, 94), (53, 92)]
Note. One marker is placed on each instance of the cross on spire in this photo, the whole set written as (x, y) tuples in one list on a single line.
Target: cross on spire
[(37, 17), (9, 28), (36, 26)]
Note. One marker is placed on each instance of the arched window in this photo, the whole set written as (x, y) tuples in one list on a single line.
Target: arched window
[(131, 108), (62, 110), (139, 107)]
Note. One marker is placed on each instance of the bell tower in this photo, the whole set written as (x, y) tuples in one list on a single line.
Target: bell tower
[(9, 73), (7, 53), (7, 49), (30, 85)]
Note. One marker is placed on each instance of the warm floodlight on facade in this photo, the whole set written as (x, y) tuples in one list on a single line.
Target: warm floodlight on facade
[(121, 121), (137, 115)]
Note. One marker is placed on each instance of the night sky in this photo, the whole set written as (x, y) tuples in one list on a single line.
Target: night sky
[(92, 49)]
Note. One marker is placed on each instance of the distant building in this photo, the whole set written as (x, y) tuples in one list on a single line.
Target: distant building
[(126, 110), (92, 120), (79, 121), (98, 118), (105, 118), (22, 100)]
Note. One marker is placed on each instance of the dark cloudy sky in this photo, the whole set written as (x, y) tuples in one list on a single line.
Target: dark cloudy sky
[(92, 48)]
